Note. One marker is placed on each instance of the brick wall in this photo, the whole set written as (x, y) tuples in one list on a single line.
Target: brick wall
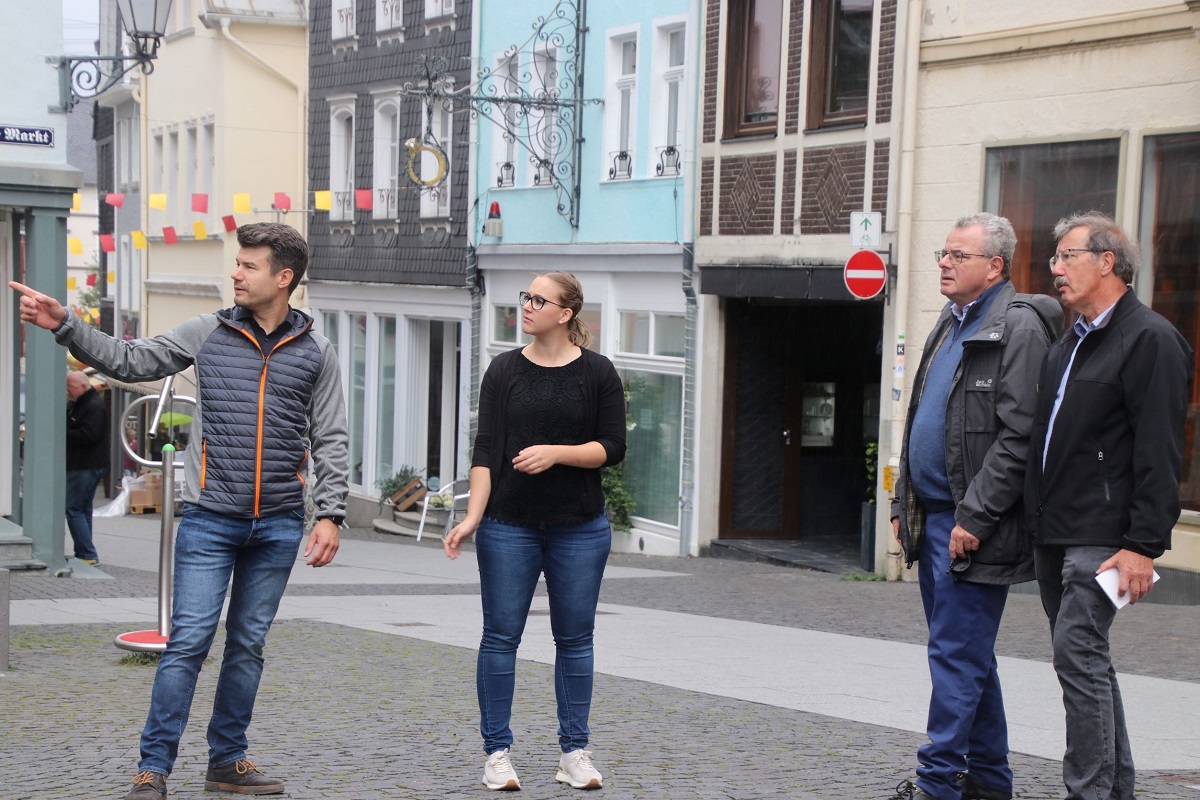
[(712, 33), (887, 61), (748, 196), (879, 178), (832, 186), (707, 171), (795, 56), (787, 210)]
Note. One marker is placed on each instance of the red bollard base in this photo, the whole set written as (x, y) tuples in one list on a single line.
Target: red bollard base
[(142, 641)]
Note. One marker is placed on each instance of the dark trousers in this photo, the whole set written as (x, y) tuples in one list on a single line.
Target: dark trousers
[(967, 728), (81, 490), (1098, 764)]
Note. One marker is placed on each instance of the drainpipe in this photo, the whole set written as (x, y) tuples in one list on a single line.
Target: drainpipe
[(908, 136), (301, 106)]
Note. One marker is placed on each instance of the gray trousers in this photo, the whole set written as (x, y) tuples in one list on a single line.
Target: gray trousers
[(1098, 764)]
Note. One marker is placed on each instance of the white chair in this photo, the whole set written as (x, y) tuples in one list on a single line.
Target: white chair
[(448, 499)]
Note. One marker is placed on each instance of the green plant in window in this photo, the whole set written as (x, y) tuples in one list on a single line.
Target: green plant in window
[(617, 497), (389, 486), (871, 461)]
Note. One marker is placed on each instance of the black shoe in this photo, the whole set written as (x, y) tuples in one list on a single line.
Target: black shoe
[(977, 791), (241, 777), (907, 790), (148, 786)]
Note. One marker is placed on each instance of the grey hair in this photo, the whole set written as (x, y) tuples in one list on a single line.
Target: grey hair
[(1104, 235), (999, 238)]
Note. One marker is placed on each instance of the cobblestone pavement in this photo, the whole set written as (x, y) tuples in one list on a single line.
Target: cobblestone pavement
[(346, 713)]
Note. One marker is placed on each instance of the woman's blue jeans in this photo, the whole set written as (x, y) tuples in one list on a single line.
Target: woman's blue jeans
[(210, 549), (511, 557)]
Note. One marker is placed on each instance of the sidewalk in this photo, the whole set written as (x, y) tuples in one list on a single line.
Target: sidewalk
[(714, 679)]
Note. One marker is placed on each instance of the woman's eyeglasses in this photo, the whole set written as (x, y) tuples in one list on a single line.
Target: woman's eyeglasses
[(536, 301)]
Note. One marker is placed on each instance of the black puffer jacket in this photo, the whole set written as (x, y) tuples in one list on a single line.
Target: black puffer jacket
[(989, 415), (87, 432)]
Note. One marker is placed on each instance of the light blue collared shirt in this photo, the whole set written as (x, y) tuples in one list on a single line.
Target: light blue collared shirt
[(1082, 328)]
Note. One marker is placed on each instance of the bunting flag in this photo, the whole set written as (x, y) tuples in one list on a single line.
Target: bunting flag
[(362, 199), (230, 223), (107, 243), (241, 203), (112, 276), (158, 201), (200, 203), (282, 202), (323, 201), (74, 245), (115, 199), (91, 279), (71, 284), (199, 229), (76, 201), (139, 240), (169, 236)]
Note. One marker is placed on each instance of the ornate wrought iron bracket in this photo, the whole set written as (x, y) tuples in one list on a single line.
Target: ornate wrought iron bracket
[(534, 97), (84, 77)]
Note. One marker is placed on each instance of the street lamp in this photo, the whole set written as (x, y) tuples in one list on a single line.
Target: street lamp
[(83, 77)]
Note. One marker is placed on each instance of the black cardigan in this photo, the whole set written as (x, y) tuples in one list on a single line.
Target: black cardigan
[(605, 414)]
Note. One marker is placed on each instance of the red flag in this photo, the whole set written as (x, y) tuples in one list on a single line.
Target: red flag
[(230, 223), (91, 279), (107, 243), (362, 199), (115, 199), (282, 202), (169, 236), (200, 203)]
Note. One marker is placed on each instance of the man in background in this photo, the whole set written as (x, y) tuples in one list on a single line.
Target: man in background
[(87, 460)]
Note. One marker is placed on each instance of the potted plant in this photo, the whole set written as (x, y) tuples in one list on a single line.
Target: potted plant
[(618, 498), (400, 488), (867, 525)]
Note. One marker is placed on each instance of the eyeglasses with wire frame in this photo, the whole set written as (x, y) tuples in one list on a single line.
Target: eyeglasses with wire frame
[(957, 257), (536, 301), (1066, 255)]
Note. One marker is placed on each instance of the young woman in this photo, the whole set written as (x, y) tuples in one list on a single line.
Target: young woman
[(551, 414)]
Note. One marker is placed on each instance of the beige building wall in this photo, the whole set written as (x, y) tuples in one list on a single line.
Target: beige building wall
[(1122, 69), (247, 79)]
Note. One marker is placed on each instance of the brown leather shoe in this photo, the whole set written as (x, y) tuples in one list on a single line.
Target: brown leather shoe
[(241, 777), (148, 786)]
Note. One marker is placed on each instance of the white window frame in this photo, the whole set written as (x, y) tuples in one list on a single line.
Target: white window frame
[(438, 10), (341, 158), (545, 64), (345, 26), (190, 163), (171, 176), (207, 168), (435, 201), (389, 21), (663, 76), (618, 137), (503, 150), (388, 160)]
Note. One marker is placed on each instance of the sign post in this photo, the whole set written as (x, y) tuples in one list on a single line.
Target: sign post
[(865, 274)]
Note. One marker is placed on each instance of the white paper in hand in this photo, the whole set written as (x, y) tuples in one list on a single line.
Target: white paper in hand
[(1110, 582)]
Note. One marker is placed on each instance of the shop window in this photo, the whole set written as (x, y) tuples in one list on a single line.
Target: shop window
[(356, 407), (839, 62), (385, 398), (506, 325), (1170, 274), (645, 333), (653, 443), (753, 64), (1034, 186)]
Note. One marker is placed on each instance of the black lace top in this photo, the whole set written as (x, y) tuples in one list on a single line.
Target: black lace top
[(546, 405)]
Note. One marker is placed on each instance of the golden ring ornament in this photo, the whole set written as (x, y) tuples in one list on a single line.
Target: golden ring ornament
[(415, 149)]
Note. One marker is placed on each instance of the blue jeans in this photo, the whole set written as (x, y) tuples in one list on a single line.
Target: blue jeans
[(1098, 764), (511, 557), (209, 549), (81, 490), (967, 728)]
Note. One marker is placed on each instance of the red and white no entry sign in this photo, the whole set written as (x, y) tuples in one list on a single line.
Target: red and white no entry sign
[(865, 274)]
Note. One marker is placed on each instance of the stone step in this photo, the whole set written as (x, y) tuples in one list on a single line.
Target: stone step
[(406, 523), (16, 552)]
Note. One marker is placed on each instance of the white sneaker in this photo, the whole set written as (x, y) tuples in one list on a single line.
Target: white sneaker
[(498, 773), (576, 769)]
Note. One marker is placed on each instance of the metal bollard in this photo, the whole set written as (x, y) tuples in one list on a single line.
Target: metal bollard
[(5, 596)]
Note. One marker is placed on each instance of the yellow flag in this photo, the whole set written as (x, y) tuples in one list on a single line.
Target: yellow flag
[(158, 201), (241, 203), (112, 276), (199, 229), (323, 201), (76, 201), (71, 283), (74, 245), (139, 240)]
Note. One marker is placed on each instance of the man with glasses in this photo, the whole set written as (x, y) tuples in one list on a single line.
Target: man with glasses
[(958, 506), (1102, 489)]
